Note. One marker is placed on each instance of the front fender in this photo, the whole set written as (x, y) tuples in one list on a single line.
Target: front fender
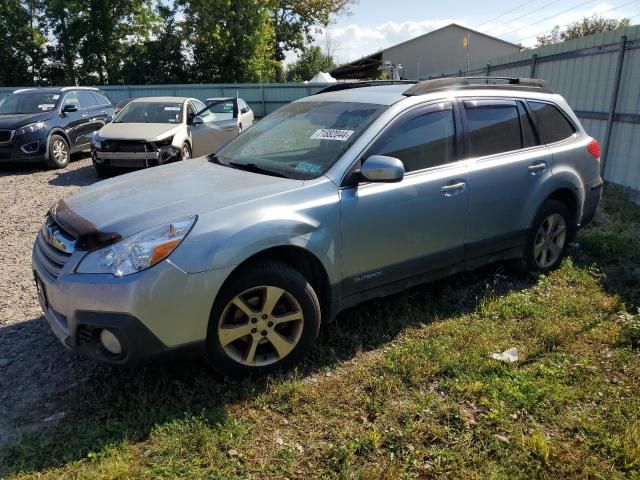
[(230, 236)]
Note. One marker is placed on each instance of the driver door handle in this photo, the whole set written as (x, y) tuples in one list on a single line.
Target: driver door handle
[(453, 188), (537, 167)]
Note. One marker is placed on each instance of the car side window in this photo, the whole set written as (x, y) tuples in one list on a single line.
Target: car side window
[(203, 111), (554, 125), (86, 99), (421, 140), (191, 112), (529, 134), (71, 98), (101, 99), (493, 126)]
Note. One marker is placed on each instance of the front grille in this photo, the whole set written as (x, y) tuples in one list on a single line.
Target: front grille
[(126, 146), (5, 136), (48, 250)]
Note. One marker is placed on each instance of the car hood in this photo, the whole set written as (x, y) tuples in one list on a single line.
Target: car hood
[(133, 202), (11, 122), (139, 131)]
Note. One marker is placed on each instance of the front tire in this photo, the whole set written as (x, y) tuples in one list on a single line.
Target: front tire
[(58, 152), (549, 237), (185, 151), (266, 318)]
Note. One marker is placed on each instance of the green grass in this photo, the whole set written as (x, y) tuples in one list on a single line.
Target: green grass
[(401, 387)]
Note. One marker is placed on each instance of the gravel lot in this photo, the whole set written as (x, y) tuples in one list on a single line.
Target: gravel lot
[(34, 367)]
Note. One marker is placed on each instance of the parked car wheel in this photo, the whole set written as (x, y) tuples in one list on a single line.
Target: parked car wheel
[(266, 318), (185, 152), (549, 237), (239, 128), (58, 152), (103, 170)]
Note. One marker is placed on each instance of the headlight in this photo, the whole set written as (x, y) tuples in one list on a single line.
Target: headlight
[(164, 142), (96, 141), (32, 127), (137, 252)]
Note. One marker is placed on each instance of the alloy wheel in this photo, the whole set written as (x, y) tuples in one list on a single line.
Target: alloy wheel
[(260, 326), (550, 240), (186, 153), (60, 153)]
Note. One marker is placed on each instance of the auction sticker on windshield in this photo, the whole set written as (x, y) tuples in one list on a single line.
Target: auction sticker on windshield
[(331, 134)]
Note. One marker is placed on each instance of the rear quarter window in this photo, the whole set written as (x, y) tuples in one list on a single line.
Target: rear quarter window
[(553, 124)]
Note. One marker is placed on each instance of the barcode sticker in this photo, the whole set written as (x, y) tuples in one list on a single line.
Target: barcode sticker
[(331, 134)]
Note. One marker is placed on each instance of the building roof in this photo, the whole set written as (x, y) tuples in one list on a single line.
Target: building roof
[(365, 66)]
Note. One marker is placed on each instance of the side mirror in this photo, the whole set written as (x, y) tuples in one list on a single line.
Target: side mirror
[(197, 120), (381, 169), (245, 110), (69, 108)]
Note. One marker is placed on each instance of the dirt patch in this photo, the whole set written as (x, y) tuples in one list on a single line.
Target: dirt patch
[(34, 366)]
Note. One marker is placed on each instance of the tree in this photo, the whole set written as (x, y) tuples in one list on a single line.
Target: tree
[(161, 58), (582, 28), (311, 61), (21, 43), (293, 20)]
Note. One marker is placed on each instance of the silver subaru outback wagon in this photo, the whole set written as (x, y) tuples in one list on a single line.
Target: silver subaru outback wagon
[(336, 198)]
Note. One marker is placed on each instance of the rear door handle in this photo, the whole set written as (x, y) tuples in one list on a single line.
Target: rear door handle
[(453, 188), (536, 168)]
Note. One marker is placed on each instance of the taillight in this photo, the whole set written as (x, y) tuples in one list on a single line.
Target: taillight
[(594, 149)]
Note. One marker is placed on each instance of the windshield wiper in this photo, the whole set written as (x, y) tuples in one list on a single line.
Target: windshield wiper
[(252, 167)]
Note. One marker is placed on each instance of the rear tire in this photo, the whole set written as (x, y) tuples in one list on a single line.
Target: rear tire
[(549, 237), (266, 318), (58, 152)]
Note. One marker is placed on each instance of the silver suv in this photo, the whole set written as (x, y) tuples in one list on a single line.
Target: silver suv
[(357, 192)]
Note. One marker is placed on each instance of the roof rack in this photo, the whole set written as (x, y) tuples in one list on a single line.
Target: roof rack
[(372, 83), (461, 83), (62, 89)]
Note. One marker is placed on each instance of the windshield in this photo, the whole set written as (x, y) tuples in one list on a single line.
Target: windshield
[(222, 109), (150, 112), (301, 140), (32, 102)]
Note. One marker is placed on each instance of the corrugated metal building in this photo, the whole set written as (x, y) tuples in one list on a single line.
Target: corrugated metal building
[(587, 72), (442, 50)]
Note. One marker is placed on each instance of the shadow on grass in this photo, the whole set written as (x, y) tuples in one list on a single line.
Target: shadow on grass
[(612, 244), (105, 405)]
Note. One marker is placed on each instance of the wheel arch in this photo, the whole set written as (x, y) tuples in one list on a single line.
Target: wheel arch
[(60, 132), (298, 258)]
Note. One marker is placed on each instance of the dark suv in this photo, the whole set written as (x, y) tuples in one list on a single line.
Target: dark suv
[(49, 124)]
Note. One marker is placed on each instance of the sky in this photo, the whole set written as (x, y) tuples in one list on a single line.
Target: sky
[(377, 24)]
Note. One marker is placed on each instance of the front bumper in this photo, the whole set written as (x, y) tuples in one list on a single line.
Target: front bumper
[(29, 148), (134, 160), (150, 312)]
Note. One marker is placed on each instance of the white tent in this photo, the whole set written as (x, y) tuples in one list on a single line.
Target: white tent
[(323, 77)]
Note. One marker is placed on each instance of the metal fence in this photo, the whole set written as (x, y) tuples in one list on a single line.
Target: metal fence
[(262, 98), (599, 76)]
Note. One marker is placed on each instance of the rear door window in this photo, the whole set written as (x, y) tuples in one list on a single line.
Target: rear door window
[(493, 126), (86, 99), (100, 99), (554, 125)]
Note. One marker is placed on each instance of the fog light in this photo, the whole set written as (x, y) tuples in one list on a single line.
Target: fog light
[(110, 342), (30, 147)]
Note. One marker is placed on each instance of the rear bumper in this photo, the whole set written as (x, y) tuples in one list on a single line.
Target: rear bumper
[(591, 202)]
